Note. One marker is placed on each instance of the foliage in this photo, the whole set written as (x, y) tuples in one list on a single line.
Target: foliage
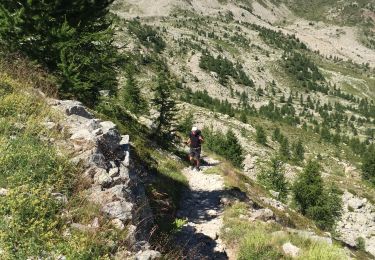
[(225, 145), (298, 151), (360, 243), (187, 123), (202, 99), (148, 36), (224, 68), (72, 39), (38, 178), (314, 200), (132, 97), (166, 107), (257, 240), (261, 137), (284, 148), (274, 178), (368, 164)]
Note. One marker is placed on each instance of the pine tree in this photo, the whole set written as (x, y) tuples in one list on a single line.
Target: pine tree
[(233, 148), (368, 164), (314, 200), (299, 151), (274, 178), (132, 95), (261, 137), (276, 136), (166, 107), (308, 187), (284, 148), (72, 39)]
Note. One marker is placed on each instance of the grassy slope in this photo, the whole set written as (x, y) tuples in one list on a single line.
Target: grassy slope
[(32, 223)]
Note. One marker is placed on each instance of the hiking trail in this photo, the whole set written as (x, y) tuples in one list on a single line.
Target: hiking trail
[(202, 208)]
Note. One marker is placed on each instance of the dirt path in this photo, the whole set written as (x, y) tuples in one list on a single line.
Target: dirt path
[(202, 209)]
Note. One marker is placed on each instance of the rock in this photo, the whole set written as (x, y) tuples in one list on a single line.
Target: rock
[(95, 223), (98, 159), (118, 224), (3, 192), (102, 178), (75, 108), (121, 210), (275, 193), (81, 227), (113, 172), (263, 214), (291, 250), (147, 255), (60, 197), (82, 134)]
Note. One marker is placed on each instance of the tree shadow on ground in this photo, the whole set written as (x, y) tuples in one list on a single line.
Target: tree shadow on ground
[(199, 207)]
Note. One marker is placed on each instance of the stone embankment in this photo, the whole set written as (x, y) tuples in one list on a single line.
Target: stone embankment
[(112, 183)]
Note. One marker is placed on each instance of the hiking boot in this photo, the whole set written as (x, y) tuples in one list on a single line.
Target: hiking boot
[(192, 167), (198, 169)]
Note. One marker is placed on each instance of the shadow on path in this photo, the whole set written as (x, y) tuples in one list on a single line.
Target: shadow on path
[(199, 238)]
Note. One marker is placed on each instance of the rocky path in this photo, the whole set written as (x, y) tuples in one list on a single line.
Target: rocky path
[(201, 207)]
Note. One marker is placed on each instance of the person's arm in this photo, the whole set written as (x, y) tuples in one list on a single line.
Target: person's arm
[(201, 139), (188, 141)]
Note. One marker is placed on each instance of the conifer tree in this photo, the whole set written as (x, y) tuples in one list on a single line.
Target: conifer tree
[(132, 95), (165, 105), (284, 148), (234, 150), (368, 164), (72, 39), (274, 178), (299, 151), (261, 137)]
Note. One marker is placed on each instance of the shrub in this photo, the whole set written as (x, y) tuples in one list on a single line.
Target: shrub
[(360, 243)]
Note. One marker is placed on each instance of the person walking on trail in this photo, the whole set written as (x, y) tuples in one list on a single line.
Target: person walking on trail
[(195, 142)]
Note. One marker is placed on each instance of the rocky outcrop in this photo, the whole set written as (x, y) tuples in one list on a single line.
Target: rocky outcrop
[(357, 221), (105, 156)]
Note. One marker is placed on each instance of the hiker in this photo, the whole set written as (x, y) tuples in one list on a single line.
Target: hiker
[(195, 141)]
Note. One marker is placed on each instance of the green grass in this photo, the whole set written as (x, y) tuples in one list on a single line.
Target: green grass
[(256, 240), (31, 219)]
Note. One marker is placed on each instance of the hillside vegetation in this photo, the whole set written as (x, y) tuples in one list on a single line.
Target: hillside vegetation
[(291, 127)]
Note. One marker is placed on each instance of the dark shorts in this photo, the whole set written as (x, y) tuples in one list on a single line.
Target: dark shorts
[(195, 153)]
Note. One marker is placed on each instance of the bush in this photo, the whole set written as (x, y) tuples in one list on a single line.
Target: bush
[(274, 178), (261, 137), (314, 200), (360, 243)]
